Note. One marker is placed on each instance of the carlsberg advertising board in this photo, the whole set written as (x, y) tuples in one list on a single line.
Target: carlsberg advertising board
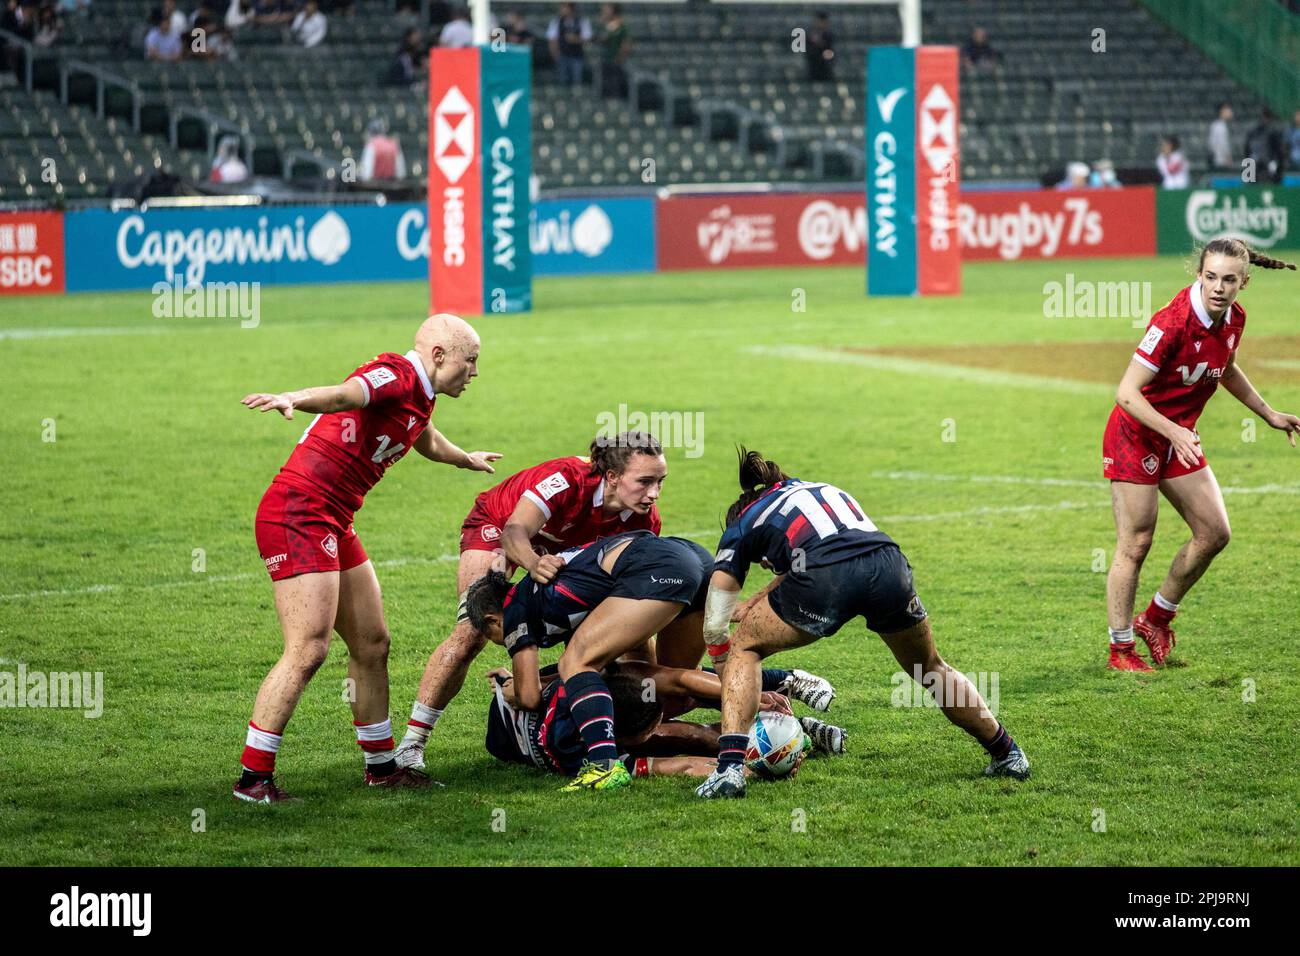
[(1264, 217)]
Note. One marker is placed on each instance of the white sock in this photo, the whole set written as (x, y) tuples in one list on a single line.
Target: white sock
[(376, 741), (1160, 602), (1122, 636), (420, 725)]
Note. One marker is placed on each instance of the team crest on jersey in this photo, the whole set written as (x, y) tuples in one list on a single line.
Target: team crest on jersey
[(1152, 339), (1150, 463), (489, 532), (552, 485), (330, 544), (1197, 346), (379, 377)]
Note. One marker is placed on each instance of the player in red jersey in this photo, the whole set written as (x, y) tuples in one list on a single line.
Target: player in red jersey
[(559, 504), (322, 578), (1190, 348)]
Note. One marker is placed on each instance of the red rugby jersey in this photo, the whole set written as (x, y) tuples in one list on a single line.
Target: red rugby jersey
[(1188, 355), (342, 455), (570, 496)]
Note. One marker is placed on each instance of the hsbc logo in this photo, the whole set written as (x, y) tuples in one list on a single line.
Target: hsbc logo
[(453, 135), (453, 153), (939, 147)]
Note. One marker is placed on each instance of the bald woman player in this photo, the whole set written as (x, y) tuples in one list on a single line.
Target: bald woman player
[(322, 578)]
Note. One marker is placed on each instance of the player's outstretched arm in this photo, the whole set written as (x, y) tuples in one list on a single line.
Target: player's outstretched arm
[(1236, 382), (316, 401), (527, 683), (1130, 398), (435, 446)]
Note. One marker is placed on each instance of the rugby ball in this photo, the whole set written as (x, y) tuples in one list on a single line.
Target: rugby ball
[(776, 746)]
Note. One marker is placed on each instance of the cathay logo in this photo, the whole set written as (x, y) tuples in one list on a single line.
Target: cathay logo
[(453, 134), (502, 107), (888, 102)]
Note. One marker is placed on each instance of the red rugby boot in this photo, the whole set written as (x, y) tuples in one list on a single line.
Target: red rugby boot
[(1159, 638), (1124, 657), (402, 777), (263, 791)]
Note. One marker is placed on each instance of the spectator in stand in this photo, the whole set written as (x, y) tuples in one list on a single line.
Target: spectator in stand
[(239, 14), (821, 50), (382, 158), (1293, 141), (615, 46), (162, 42), (208, 37), (405, 68), (567, 37), (1174, 173), (1076, 176), (517, 31), (227, 167), (458, 31), (48, 28), (1103, 175), (179, 21), (1219, 140), (309, 27), (1266, 145), (20, 19), (977, 51)]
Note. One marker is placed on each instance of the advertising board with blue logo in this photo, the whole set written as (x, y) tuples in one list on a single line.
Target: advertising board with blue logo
[(131, 249)]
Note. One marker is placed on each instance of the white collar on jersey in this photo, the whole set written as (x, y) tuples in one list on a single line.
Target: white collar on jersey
[(598, 499), (414, 358), (1202, 313)]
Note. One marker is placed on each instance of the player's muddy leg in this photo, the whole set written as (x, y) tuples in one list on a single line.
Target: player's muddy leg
[(956, 696), (616, 626), (681, 643), (760, 635), (1199, 500), (360, 622), (306, 605), (445, 672), (1135, 507)]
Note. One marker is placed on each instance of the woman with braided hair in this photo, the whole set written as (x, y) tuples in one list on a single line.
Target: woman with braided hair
[(1190, 348)]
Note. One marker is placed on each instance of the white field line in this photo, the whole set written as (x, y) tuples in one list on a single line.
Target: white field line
[(1278, 363), (1273, 489), (62, 333), (963, 373)]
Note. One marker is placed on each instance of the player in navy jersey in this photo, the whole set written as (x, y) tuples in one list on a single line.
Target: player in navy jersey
[(1151, 447), (832, 564), (322, 578), (608, 599)]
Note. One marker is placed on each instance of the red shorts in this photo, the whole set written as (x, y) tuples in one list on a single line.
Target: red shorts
[(1133, 453), (298, 533), (478, 533)]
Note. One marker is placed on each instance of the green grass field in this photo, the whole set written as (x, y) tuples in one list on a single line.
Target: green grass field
[(154, 458)]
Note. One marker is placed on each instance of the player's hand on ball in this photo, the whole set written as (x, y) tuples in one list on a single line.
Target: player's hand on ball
[(481, 461), (548, 566), (771, 700), (499, 676), (265, 401), (1187, 446), (1287, 423)]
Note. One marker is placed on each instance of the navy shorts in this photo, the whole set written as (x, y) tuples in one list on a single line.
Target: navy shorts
[(662, 569), (877, 585)]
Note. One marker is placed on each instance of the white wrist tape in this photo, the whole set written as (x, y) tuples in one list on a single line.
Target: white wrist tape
[(718, 607)]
